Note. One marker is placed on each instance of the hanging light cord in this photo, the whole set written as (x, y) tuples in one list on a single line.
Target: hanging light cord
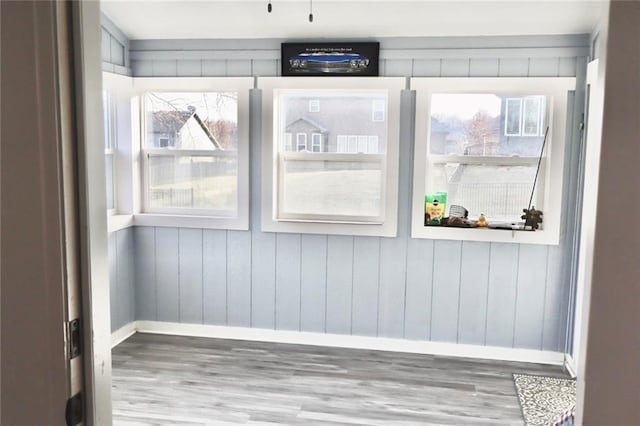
[(270, 9)]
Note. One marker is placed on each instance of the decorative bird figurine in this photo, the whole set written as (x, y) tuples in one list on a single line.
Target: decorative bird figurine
[(532, 217)]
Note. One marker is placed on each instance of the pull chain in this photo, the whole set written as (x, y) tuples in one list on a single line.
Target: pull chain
[(269, 7), (310, 10)]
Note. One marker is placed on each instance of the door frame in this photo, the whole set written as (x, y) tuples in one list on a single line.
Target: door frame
[(92, 212)]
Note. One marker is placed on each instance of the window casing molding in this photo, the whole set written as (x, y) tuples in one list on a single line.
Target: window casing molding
[(191, 217), (272, 220), (549, 185), (130, 162), (120, 88)]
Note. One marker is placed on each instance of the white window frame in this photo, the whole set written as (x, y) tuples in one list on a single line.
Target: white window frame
[(271, 221), (109, 104), (121, 89), (301, 139), (316, 137), (196, 218), (549, 186), (314, 105)]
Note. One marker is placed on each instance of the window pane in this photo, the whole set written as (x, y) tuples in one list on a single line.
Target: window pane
[(108, 118), (199, 182), (195, 121), (334, 188), (108, 166), (499, 192), (514, 117), (343, 114), (532, 113), (485, 125)]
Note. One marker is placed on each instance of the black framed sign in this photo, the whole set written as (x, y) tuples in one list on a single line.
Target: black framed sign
[(330, 59)]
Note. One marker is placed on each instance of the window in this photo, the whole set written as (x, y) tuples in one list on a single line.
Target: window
[(357, 144), (346, 180), (479, 141), (110, 123), (378, 110), (194, 151), (190, 151), (525, 116), (314, 105), (301, 142), (316, 142)]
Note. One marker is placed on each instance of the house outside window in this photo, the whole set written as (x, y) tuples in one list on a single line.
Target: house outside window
[(341, 179), (190, 150)]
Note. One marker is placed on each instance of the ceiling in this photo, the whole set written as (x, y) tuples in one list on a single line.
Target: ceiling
[(202, 19)]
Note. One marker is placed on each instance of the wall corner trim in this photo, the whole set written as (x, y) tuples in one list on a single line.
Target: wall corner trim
[(123, 333), (570, 366)]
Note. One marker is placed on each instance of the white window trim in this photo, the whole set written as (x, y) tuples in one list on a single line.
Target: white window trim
[(198, 219), (314, 105), (111, 135), (556, 89), (269, 86), (121, 89)]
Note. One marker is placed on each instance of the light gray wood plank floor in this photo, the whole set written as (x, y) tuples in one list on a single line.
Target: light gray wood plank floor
[(169, 380)]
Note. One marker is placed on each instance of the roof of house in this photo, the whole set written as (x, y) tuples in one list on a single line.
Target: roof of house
[(311, 122), (169, 121), (174, 121)]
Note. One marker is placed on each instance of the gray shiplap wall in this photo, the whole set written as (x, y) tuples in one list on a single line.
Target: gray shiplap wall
[(495, 294), (115, 48), (122, 277)]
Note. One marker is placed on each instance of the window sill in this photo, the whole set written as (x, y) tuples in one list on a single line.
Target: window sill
[(188, 221), (387, 229), (116, 222), (486, 234)]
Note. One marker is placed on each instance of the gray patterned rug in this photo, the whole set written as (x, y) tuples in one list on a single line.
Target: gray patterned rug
[(542, 399)]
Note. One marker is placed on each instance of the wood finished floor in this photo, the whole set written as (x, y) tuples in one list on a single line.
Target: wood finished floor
[(170, 380)]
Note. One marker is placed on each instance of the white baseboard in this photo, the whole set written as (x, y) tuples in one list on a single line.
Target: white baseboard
[(123, 333), (355, 342), (570, 366)]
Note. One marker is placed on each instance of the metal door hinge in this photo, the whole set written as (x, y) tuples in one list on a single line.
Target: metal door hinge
[(74, 413), (74, 338)]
